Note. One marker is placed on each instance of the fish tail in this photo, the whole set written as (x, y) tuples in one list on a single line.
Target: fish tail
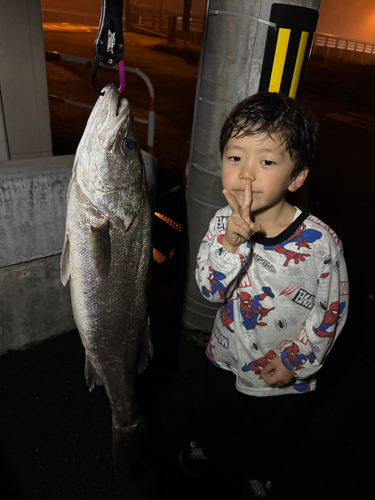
[(129, 445)]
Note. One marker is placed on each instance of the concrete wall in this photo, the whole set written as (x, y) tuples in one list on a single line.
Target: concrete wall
[(33, 205), (34, 305), (23, 79)]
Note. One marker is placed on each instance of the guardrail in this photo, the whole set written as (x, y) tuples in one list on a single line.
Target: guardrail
[(154, 18), (161, 20), (345, 49), (87, 62)]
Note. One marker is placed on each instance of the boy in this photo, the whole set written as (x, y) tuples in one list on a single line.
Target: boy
[(280, 276)]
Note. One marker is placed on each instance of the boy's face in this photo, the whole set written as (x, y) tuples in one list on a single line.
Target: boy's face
[(268, 165)]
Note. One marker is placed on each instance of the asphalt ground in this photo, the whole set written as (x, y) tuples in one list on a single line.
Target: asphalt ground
[(55, 436)]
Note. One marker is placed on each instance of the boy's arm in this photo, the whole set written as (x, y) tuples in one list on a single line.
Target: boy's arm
[(306, 355), (218, 269)]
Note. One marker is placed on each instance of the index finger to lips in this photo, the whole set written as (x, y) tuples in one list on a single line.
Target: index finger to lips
[(248, 197)]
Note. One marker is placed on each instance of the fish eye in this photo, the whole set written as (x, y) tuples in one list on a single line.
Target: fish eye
[(129, 146)]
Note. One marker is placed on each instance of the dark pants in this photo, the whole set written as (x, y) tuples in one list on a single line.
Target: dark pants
[(256, 434)]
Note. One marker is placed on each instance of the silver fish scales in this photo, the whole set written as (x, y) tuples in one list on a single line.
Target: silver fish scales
[(107, 255)]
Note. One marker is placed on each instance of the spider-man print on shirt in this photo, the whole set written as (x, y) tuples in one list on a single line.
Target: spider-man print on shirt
[(293, 359), (302, 238), (226, 315), (252, 310), (216, 286), (258, 365), (330, 319)]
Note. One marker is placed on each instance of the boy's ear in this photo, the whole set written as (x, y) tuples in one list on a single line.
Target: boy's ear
[(298, 180)]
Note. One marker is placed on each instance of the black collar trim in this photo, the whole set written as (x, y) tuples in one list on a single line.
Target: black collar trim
[(258, 238)]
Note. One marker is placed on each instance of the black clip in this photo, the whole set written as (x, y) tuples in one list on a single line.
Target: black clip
[(109, 41)]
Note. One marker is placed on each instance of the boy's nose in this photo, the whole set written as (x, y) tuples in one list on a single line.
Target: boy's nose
[(247, 172)]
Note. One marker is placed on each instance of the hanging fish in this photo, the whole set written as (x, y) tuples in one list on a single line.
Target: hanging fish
[(107, 256)]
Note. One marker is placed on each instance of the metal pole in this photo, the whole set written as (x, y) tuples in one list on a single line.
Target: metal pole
[(127, 20), (229, 70), (186, 15), (186, 20), (160, 15), (4, 146)]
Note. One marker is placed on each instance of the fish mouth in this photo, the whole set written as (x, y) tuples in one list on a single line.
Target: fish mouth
[(115, 114), (117, 108)]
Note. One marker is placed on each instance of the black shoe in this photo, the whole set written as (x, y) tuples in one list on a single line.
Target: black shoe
[(192, 460)]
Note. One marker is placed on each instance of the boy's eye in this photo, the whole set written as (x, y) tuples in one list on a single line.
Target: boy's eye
[(268, 163), (234, 158)]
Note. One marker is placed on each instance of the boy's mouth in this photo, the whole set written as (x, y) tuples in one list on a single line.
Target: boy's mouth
[(242, 192)]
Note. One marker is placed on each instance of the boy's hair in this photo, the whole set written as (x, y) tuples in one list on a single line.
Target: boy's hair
[(275, 115)]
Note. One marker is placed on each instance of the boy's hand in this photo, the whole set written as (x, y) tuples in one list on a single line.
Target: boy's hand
[(276, 374), (240, 226)]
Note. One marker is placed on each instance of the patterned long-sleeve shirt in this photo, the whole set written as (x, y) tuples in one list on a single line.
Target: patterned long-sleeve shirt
[(285, 296)]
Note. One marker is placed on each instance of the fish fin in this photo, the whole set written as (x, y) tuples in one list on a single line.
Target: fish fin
[(65, 261), (147, 352), (92, 377), (100, 243)]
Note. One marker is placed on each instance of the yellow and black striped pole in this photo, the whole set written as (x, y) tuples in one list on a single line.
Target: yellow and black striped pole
[(287, 48)]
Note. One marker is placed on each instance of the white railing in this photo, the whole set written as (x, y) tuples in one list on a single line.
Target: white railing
[(158, 19), (341, 43)]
